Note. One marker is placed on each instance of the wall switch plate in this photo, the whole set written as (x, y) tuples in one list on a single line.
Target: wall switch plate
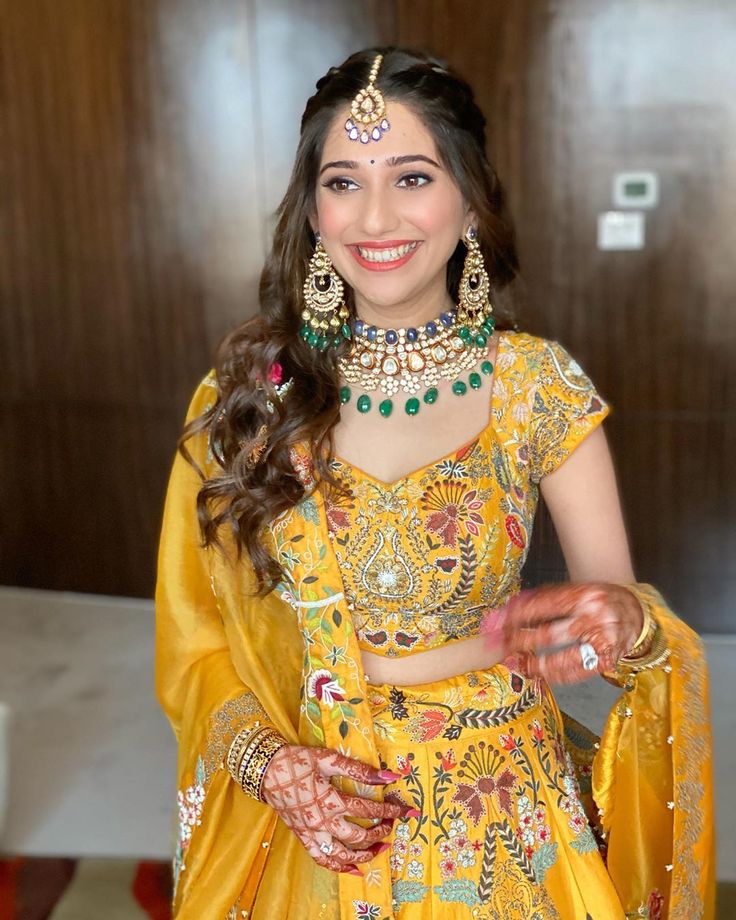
[(621, 230)]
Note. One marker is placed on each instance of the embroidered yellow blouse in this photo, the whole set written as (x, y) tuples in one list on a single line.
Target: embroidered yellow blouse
[(422, 557)]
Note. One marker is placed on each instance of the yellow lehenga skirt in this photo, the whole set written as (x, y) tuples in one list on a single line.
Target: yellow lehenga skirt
[(503, 831)]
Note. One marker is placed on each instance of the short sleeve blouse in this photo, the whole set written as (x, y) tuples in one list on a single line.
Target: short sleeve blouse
[(422, 557)]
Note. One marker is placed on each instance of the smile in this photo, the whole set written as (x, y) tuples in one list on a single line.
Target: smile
[(384, 257)]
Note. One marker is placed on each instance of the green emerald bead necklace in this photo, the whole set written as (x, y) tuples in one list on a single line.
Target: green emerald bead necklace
[(413, 358), (413, 404)]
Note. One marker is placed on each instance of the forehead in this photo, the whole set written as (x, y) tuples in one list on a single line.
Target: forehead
[(407, 136)]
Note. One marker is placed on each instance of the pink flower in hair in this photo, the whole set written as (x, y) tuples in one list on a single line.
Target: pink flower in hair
[(275, 373)]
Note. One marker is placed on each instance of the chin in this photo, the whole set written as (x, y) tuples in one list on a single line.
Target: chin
[(386, 295), (384, 298)]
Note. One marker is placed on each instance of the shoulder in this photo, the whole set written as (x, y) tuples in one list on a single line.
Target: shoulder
[(195, 433), (205, 396), (547, 365), (535, 350), (555, 399)]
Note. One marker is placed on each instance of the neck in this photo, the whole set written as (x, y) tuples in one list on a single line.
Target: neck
[(415, 312)]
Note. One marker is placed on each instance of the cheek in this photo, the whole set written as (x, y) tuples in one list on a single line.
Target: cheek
[(439, 214), (333, 215)]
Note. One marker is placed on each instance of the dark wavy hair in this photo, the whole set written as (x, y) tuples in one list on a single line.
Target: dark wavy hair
[(248, 499)]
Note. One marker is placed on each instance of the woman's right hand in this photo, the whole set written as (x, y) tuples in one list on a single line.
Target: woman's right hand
[(297, 785)]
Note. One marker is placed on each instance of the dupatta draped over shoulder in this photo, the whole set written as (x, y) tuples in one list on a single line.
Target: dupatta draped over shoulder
[(226, 659)]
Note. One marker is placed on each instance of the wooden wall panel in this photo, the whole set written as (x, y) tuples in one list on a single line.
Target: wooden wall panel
[(138, 179), (146, 147), (573, 92)]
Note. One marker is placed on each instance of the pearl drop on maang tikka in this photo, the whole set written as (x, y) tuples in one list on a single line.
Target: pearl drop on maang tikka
[(368, 111)]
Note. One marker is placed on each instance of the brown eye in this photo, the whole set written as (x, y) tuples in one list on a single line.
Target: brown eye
[(340, 184), (414, 180)]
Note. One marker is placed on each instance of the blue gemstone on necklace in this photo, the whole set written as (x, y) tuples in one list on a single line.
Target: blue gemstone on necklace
[(411, 334), (431, 328), (359, 326), (392, 336), (447, 319), (372, 333)]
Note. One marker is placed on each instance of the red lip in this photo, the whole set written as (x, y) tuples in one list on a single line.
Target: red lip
[(387, 244)]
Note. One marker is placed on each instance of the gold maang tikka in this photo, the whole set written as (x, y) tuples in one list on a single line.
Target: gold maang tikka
[(368, 110)]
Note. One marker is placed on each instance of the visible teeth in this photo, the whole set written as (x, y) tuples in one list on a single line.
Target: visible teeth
[(386, 255)]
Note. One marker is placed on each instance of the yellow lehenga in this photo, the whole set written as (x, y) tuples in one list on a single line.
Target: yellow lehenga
[(523, 812)]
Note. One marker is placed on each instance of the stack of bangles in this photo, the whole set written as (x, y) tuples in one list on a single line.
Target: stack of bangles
[(250, 754), (650, 649)]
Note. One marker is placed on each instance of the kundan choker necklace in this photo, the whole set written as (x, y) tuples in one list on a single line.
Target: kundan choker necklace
[(413, 361)]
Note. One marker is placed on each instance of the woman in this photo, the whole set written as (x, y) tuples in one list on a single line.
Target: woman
[(350, 647)]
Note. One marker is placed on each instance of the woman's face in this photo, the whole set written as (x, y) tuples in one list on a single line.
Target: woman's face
[(390, 217)]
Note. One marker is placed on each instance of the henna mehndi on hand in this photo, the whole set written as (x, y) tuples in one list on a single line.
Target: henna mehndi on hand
[(297, 785), (545, 627)]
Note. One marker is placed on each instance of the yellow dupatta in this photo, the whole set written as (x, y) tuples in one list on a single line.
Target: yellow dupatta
[(226, 659)]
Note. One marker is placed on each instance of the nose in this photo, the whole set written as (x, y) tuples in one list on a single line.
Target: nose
[(379, 215)]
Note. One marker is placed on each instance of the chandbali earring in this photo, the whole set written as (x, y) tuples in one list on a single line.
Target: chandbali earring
[(325, 315), (474, 320)]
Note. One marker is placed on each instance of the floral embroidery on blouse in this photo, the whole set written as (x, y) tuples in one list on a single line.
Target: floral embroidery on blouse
[(423, 557)]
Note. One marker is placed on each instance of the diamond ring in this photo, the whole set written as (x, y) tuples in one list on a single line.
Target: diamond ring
[(326, 848), (589, 656)]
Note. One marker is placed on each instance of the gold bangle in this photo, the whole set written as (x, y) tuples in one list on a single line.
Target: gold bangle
[(657, 655), (236, 748), (269, 743), (239, 746), (649, 625), (247, 753)]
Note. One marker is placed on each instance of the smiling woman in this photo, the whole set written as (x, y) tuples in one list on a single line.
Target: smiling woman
[(358, 686)]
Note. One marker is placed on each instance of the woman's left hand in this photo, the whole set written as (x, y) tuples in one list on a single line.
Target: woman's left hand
[(597, 623)]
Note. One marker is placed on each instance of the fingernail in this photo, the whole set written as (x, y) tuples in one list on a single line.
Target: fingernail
[(413, 813), (382, 847), (388, 776), (353, 870)]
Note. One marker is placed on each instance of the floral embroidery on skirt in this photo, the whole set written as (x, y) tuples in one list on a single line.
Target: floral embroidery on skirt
[(503, 832)]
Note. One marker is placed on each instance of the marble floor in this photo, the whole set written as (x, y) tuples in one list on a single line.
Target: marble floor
[(87, 759)]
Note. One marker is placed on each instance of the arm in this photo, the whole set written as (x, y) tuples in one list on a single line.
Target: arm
[(652, 769), (582, 497)]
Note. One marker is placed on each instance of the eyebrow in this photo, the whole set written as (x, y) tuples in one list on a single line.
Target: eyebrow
[(389, 161)]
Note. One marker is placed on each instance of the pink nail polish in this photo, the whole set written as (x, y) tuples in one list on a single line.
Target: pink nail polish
[(382, 848), (388, 776), (353, 870), (413, 813)]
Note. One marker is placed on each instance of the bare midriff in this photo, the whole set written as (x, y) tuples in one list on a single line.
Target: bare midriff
[(435, 664)]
